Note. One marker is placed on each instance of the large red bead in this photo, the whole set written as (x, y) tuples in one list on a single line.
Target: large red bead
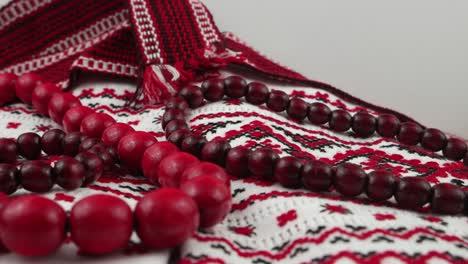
[(412, 192), (340, 120), (171, 168), (69, 172), (277, 101), (8, 150), (235, 87), (166, 218), (381, 185), (288, 172), (262, 162), (25, 85), (101, 224), (193, 95), (317, 176), (193, 144), (363, 124), (205, 168), (237, 162), (215, 151), (350, 179), (433, 139), (257, 93), (410, 133), (318, 113), (153, 156), (388, 125), (51, 141), (455, 149), (297, 109), (32, 225), (94, 124), (212, 196), (36, 176), (447, 198), (9, 178), (59, 105), (172, 114), (113, 133), (29, 145), (41, 96), (213, 89), (175, 125), (93, 164), (132, 146), (73, 117), (7, 88)]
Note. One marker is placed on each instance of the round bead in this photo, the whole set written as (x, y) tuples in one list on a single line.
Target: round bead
[(297, 109), (108, 161), (166, 218), (235, 86), (212, 196), (153, 156), (172, 114), (455, 149), (25, 85), (177, 102), (288, 171), (175, 125), (59, 105), (340, 120), (205, 168), (193, 144), (213, 89), (41, 96), (215, 151), (171, 168), (433, 139), (9, 178), (388, 125), (410, 133), (51, 141), (8, 150), (277, 101), (412, 192), (32, 225), (350, 179), (113, 133), (257, 93), (94, 166), (69, 173), (317, 176), (261, 162), (364, 124), (178, 136), (193, 95), (94, 124), (71, 143), (381, 185), (87, 143), (318, 113), (237, 162), (101, 224), (73, 117), (7, 88), (447, 198), (132, 146), (36, 176), (29, 145)]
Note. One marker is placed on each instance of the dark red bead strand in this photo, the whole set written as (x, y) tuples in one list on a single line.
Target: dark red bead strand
[(318, 113), (9, 178), (388, 125), (51, 142), (70, 173), (29, 145), (8, 150), (288, 171), (381, 185), (316, 176), (297, 109), (262, 162), (237, 162), (455, 149), (257, 93), (433, 139), (192, 95), (363, 124), (213, 89), (193, 144), (447, 198), (235, 87), (277, 101), (36, 176), (172, 114), (340, 121), (410, 133), (215, 151), (93, 165), (350, 179), (412, 192)]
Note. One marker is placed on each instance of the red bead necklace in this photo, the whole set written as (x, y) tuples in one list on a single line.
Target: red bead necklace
[(347, 179), (32, 225)]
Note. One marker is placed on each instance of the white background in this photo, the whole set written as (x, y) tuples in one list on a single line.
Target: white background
[(411, 56)]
